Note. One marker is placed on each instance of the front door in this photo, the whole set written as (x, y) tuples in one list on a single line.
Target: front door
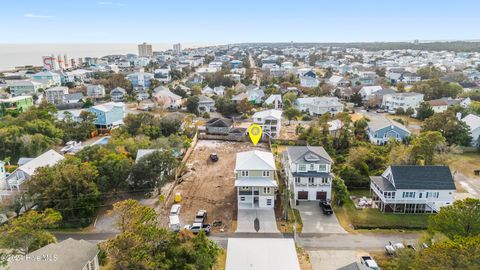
[(255, 201)]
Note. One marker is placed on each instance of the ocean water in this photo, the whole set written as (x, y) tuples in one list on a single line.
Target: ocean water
[(12, 55)]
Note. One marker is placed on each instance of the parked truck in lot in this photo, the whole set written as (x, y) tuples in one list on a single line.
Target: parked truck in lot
[(201, 216), (197, 227)]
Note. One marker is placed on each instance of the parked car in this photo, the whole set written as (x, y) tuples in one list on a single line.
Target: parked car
[(214, 157), (369, 262), (201, 216), (326, 208), (197, 227), (175, 210), (391, 249), (174, 224)]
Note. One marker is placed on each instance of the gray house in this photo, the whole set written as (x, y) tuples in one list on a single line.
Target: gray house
[(381, 129), (220, 126)]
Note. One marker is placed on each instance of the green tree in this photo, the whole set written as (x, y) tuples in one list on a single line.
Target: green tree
[(289, 99), (192, 104), (340, 191), (424, 111), (244, 106), (291, 113), (425, 146), (28, 232), (460, 219), (356, 99), (143, 245), (460, 253), (68, 187), (455, 131), (153, 170)]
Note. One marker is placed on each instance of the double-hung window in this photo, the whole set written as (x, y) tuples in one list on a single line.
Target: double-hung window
[(311, 181), (266, 190)]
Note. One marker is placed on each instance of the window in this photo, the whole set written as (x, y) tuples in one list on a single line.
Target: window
[(311, 167), (266, 190), (324, 180), (433, 195), (302, 167), (389, 195), (245, 188), (244, 173), (297, 180), (311, 181), (242, 199), (269, 202), (266, 173), (408, 194), (420, 195), (322, 167)]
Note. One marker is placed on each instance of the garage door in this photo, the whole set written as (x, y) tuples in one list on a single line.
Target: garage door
[(321, 195), (302, 195)]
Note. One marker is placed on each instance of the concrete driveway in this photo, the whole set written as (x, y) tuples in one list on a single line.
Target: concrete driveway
[(331, 259), (246, 217), (314, 221)]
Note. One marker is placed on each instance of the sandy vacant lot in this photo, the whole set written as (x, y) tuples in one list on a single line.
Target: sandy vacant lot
[(210, 185)]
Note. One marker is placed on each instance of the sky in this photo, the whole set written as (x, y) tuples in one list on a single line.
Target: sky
[(225, 21)]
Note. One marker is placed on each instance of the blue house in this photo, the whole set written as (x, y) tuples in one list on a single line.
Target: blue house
[(235, 63), (108, 115), (381, 129)]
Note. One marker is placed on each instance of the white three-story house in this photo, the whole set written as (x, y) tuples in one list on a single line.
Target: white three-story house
[(255, 179), (308, 170)]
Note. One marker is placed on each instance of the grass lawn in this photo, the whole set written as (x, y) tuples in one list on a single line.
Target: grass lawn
[(221, 261), (466, 163), (413, 124), (371, 218)]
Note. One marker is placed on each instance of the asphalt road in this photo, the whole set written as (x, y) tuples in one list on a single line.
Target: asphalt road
[(307, 241)]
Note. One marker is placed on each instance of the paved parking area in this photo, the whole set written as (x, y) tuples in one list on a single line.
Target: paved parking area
[(246, 218), (314, 221), (331, 259)]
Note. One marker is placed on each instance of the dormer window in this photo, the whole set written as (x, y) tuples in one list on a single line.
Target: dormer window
[(322, 167), (311, 158)]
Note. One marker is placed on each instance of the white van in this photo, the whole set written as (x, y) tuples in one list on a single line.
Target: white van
[(175, 210), (174, 223)]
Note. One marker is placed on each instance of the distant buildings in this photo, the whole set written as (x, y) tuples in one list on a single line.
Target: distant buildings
[(319, 105), (96, 91), (177, 48), (118, 94), (52, 78), (145, 50), (403, 100), (140, 80), (270, 121), (25, 87), (55, 95)]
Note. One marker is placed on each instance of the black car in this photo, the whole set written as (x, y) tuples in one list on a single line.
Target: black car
[(214, 157), (326, 208)]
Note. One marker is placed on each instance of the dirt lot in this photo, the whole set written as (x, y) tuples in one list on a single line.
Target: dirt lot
[(210, 185)]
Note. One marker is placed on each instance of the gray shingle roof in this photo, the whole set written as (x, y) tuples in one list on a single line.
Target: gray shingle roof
[(297, 153), (382, 183), (423, 177), (70, 254)]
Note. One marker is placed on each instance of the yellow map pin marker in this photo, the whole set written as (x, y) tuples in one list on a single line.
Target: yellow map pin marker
[(255, 133)]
